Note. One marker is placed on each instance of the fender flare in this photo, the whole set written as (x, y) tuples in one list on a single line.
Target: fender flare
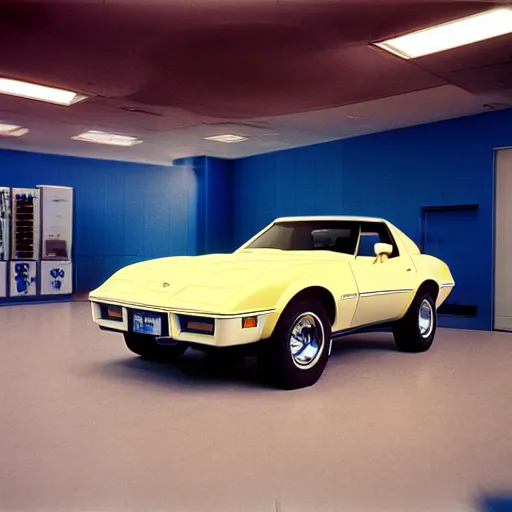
[(287, 296)]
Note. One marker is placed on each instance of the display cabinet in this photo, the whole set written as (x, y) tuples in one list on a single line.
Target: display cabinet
[(36, 241), (56, 222)]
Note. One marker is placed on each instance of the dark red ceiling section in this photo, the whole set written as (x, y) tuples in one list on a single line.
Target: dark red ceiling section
[(495, 79), (228, 60), (251, 83)]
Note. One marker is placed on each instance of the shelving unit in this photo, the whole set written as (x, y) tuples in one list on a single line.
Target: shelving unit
[(5, 215), (25, 224), (5, 224)]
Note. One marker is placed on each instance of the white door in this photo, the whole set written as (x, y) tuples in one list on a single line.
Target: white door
[(503, 242), (385, 289)]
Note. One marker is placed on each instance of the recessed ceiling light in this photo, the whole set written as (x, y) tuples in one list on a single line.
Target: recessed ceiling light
[(39, 92), (227, 138), (112, 139), (12, 130), (451, 35)]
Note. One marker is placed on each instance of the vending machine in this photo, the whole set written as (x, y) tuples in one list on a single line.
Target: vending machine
[(56, 269), (5, 225), (56, 222)]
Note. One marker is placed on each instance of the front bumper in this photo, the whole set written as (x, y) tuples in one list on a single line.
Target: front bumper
[(226, 331)]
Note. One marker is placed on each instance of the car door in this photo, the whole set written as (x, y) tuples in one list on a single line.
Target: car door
[(385, 288)]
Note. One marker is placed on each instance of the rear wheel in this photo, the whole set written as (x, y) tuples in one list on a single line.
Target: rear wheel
[(148, 348), (296, 354), (416, 331)]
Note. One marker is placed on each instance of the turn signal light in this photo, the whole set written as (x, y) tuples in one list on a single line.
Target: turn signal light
[(110, 312), (200, 326), (250, 321), (115, 313)]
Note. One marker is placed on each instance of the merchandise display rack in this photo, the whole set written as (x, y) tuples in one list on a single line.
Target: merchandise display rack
[(5, 214), (36, 244), (24, 226)]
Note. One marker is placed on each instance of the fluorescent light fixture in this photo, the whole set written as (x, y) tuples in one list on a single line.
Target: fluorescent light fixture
[(111, 139), (453, 34), (12, 130), (227, 138), (39, 92)]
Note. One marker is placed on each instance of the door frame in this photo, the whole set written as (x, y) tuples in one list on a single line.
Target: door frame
[(448, 208), (494, 178), (403, 255)]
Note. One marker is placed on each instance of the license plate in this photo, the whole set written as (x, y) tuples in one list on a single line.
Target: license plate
[(145, 323)]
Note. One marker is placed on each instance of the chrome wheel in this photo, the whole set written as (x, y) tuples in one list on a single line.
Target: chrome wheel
[(426, 318), (307, 340)]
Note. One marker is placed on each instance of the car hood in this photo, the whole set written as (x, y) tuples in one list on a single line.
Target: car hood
[(216, 282)]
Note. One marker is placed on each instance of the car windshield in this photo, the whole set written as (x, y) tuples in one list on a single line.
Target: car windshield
[(315, 235)]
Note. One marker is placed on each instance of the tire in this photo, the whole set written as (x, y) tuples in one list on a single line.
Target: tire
[(413, 335), (294, 367), (147, 347)]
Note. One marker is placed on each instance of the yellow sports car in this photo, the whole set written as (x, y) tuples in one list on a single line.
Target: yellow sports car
[(287, 293)]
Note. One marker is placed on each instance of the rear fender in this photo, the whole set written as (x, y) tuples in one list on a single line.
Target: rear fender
[(430, 268)]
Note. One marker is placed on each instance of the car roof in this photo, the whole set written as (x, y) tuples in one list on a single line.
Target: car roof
[(331, 217)]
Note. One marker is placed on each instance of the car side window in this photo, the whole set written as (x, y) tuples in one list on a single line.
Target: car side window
[(373, 233), (367, 243)]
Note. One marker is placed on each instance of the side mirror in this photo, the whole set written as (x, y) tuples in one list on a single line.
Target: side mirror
[(381, 249)]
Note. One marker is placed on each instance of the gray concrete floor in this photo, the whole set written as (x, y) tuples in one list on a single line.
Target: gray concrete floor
[(87, 426)]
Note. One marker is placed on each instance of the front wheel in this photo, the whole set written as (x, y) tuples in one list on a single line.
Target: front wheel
[(415, 332), (296, 354), (148, 348)]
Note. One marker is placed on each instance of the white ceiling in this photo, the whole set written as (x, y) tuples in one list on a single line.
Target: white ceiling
[(278, 99), (264, 134)]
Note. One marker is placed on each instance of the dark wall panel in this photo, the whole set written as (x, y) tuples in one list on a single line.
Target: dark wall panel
[(447, 234)]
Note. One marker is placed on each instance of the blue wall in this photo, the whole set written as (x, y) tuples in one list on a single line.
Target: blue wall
[(393, 175), (214, 202), (124, 212), (219, 206), (131, 212)]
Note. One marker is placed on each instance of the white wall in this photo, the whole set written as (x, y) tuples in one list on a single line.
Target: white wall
[(503, 252)]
